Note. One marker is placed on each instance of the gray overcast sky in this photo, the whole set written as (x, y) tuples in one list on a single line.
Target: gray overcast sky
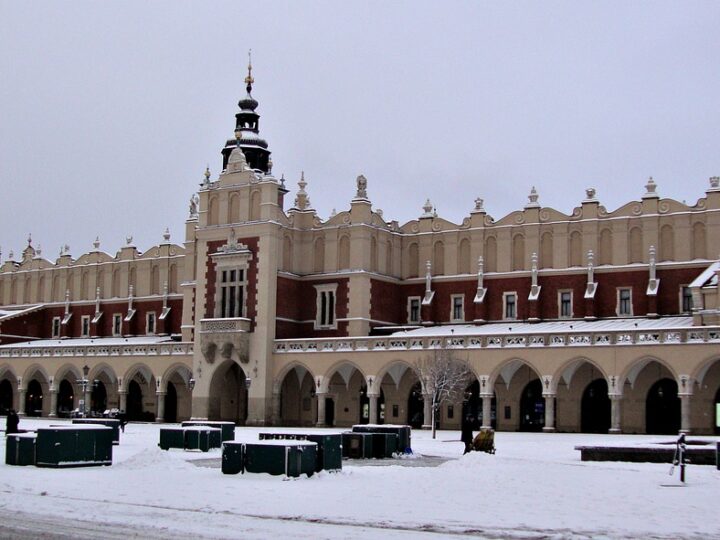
[(109, 111)]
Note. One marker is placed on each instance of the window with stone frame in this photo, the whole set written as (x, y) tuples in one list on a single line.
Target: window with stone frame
[(510, 305), (624, 302), (457, 310), (326, 295), (56, 327), (150, 323), (85, 326), (117, 324), (413, 309), (232, 264), (686, 301), (565, 307)]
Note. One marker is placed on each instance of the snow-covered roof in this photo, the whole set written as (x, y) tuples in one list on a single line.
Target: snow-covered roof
[(708, 275), (83, 342), (6, 313), (551, 327)]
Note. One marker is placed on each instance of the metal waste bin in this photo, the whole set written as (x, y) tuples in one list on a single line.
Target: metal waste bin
[(281, 457), (173, 437), (403, 432), (357, 445), (20, 449), (233, 457), (228, 428), (73, 446), (329, 451), (384, 445), (202, 438), (112, 423)]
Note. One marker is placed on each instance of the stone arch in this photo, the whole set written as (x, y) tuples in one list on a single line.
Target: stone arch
[(633, 369), (507, 370), (213, 211), (604, 255), (228, 394), (667, 244), (340, 366), (7, 371), (33, 370), (103, 369), (391, 369), (698, 374), (464, 257), (65, 370), (568, 369), (178, 368), (490, 257), (518, 252), (546, 250), (517, 386), (575, 249), (581, 387), (319, 255), (438, 258), (699, 244), (177, 394), (234, 208), (255, 205), (635, 245), (413, 268), (343, 262), (705, 409), (289, 367), (36, 383), (140, 384), (297, 395)]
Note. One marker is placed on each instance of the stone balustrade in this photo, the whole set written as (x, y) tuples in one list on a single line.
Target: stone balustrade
[(70, 350)]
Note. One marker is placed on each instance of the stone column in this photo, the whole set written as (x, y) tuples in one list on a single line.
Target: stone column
[(685, 413), (549, 413), (615, 411), (123, 400), (321, 409), (21, 401), (486, 411), (276, 412), (373, 408), (88, 397), (160, 396), (53, 401), (427, 411)]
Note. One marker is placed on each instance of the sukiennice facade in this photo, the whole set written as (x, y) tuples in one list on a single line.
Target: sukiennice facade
[(591, 320)]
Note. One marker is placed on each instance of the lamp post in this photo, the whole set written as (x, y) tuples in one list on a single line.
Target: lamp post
[(83, 384), (191, 384)]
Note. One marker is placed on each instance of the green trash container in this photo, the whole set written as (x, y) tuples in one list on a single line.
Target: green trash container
[(384, 445), (329, 450), (228, 428), (202, 438), (73, 446), (172, 437), (404, 433), (357, 445), (277, 457), (20, 449), (113, 423), (233, 457)]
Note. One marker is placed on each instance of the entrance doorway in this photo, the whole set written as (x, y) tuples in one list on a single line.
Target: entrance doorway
[(134, 402), (415, 408), (34, 399), (6, 396), (98, 397), (329, 412), (171, 403), (662, 408), (66, 398), (595, 408), (532, 407)]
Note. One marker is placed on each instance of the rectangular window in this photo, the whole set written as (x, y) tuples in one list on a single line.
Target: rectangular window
[(458, 308), (117, 324), (232, 293), (413, 310), (56, 327), (325, 306), (686, 299), (85, 326), (150, 323), (450, 412), (510, 305), (624, 302), (565, 300)]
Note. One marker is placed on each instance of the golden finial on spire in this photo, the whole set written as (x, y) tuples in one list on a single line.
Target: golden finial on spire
[(249, 79)]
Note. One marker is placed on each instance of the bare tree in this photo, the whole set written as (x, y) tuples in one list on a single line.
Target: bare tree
[(444, 379)]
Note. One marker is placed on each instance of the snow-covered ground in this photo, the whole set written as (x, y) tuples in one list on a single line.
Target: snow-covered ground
[(534, 487)]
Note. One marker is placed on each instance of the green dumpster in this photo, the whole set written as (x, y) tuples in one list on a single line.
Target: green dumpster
[(357, 445), (329, 450), (384, 445), (202, 438), (404, 433), (113, 423), (73, 446), (228, 428), (173, 437), (291, 458), (233, 457), (20, 449)]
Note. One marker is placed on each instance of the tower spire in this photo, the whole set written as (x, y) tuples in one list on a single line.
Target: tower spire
[(249, 79)]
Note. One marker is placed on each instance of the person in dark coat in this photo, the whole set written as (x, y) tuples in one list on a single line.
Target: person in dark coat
[(466, 433), (123, 420), (13, 420)]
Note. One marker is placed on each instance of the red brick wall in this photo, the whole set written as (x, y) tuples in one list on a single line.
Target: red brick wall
[(388, 302), (296, 300)]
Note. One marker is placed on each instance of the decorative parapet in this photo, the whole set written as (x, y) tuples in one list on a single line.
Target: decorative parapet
[(69, 350), (224, 326), (499, 341)]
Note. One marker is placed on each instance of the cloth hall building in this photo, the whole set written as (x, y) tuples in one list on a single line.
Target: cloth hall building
[(586, 320)]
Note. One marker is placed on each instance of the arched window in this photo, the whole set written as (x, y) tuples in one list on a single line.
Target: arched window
[(234, 208), (546, 250), (41, 289), (85, 285), (55, 293), (667, 244), (635, 246), (413, 260), (518, 252), (698, 241), (255, 206), (172, 279), (344, 253), (373, 255), (464, 256), (287, 254), (213, 211), (116, 283), (604, 255), (155, 280), (575, 249), (490, 263), (319, 255), (13, 291), (26, 291), (388, 257), (438, 267)]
